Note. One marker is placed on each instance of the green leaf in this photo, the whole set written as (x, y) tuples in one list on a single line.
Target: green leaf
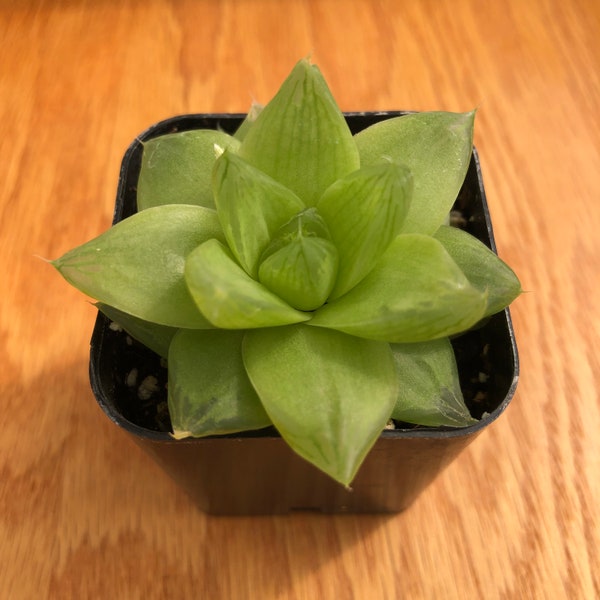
[(301, 138), (251, 117), (482, 267), (328, 394), (300, 263), (137, 265), (156, 337), (251, 207), (436, 147), (228, 296), (209, 391), (415, 293), (364, 212), (430, 391), (177, 168)]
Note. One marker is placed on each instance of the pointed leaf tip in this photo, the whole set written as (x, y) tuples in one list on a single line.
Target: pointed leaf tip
[(141, 260), (301, 138), (251, 207), (437, 148), (365, 211), (430, 392), (329, 394), (177, 168), (209, 390), (482, 267), (415, 293)]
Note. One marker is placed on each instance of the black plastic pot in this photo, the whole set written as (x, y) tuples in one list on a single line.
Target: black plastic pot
[(256, 472)]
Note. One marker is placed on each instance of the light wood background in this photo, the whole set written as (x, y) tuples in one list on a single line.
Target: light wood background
[(83, 513)]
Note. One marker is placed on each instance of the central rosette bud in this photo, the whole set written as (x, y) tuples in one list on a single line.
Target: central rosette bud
[(300, 263)]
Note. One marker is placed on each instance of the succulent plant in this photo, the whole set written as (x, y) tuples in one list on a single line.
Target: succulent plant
[(299, 276)]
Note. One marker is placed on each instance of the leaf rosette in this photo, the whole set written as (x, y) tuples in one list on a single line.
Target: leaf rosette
[(300, 276)]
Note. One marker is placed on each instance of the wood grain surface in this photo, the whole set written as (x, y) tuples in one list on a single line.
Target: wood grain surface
[(83, 513)]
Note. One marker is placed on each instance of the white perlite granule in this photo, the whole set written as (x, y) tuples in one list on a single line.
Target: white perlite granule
[(148, 387)]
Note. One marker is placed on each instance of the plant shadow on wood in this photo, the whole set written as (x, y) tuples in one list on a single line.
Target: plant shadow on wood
[(114, 521)]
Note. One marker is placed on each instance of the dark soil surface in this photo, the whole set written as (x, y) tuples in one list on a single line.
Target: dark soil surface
[(141, 379)]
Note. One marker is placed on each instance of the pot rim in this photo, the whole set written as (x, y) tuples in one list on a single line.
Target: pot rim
[(183, 122)]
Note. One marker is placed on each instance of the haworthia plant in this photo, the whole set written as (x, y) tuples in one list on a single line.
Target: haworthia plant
[(298, 276)]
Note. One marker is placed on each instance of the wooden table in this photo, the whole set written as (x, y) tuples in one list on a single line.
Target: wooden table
[(83, 513)]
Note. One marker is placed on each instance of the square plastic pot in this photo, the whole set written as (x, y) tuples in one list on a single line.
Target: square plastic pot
[(256, 472)]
